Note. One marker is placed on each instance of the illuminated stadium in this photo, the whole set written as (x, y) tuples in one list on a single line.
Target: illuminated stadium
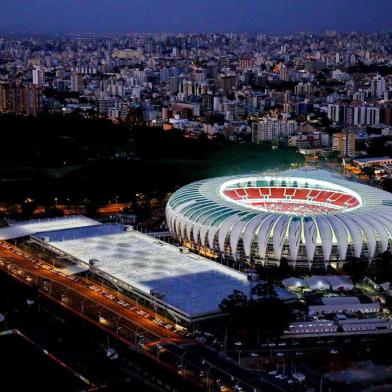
[(311, 217)]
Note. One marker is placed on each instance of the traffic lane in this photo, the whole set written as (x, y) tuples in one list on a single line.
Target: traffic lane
[(226, 369), (94, 308), (91, 294), (112, 306)]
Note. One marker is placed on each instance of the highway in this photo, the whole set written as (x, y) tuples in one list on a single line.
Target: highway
[(136, 326)]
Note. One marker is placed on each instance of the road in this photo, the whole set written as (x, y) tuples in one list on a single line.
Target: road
[(134, 325)]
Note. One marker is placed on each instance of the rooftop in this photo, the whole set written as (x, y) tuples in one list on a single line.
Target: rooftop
[(340, 300), (372, 160), (192, 284), (26, 228)]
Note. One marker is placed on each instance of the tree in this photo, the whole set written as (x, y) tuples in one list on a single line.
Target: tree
[(53, 212), (264, 290), (369, 171), (284, 268), (387, 184), (356, 269), (334, 156), (28, 207), (270, 317), (234, 302), (266, 316), (384, 266)]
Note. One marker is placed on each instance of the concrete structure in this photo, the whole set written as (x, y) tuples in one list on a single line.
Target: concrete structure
[(293, 283), (339, 283), (344, 142), (311, 327), (315, 283), (343, 305), (27, 228), (191, 287), (307, 216), (365, 324), (272, 129), (379, 161)]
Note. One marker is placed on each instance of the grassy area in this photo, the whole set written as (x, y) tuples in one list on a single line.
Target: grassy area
[(236, 159), (74, 159)]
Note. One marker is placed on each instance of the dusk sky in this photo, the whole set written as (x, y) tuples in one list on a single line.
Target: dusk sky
[(266, 16)]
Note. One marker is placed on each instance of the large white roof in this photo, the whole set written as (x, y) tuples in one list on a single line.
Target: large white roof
[(192, 284), (27, 228)]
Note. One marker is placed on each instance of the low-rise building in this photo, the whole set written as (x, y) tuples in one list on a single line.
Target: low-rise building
[(316, 283), (339, 283), (293, 283), (378, 161), (312, 326), (366, 324), (343, 305)]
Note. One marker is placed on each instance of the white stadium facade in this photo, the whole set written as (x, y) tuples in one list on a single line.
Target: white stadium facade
[(310, 217)]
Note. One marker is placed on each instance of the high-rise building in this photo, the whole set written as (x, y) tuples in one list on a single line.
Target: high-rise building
[(21, 99), (387, 115), (227, 83), (272, 129), (38, 77), (344, 142), (377, 87), (303, 89), (361, 115), (245, 64), (336, 113), (33, 100), (284, 72), (76, 82), (5, 96)]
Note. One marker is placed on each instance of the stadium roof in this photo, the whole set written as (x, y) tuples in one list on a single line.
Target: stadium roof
[(192, 284), (27, 228), (321, 216)]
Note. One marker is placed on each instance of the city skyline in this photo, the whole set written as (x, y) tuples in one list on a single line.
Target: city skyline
[(251, 16), (196, 196)]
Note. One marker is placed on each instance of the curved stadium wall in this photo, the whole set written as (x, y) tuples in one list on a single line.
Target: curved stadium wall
[(310, 217)]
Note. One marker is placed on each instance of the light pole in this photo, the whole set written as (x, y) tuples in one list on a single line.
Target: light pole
[(225, 341), (182, 363), (84, 299), (139, 337), (239, 356), (158, 351), (208, 379), (117, 326), (182, 358)]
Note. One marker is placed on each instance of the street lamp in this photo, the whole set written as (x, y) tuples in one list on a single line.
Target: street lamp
[(239, 356), (208, 373), (84, 299), (138, 336), (117, 326), (182, 358), (182, 363), (159, 347)]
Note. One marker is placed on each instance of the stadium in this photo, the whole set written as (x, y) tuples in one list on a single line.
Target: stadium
[(311, 217)]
